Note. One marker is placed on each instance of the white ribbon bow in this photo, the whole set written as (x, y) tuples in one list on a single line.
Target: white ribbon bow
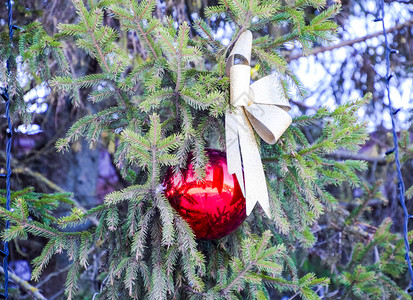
[(262, 106)]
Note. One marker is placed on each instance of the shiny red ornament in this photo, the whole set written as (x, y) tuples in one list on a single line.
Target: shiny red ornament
[(213, 207)]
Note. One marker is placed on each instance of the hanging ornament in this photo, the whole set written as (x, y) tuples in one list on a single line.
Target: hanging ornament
[(213, 206), (261, 106)]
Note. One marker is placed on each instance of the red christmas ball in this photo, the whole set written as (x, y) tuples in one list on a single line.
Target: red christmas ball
[(213, 207)]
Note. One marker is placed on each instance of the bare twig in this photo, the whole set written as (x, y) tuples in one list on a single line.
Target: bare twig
[(340, 155), (347, 155), (400, 1), (34, 154), (303, 105), (39, 177), (101, 287), (57, 294), (51, 275), (352, 42), (25, 285), (293, 296)]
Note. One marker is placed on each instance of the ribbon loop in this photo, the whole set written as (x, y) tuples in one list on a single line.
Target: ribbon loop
[(269, 90), (242, 48), (240, 85), (262, 106)]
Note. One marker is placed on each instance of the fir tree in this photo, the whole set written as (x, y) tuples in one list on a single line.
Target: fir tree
[(172, 104)]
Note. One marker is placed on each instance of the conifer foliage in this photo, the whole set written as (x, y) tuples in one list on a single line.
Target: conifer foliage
[(168, 104)]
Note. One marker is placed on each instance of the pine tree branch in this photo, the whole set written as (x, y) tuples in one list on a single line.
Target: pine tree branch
[(351, 42), (95, 42), (138, 24), (91, 32), (195, 292), (239, 276), (25, 285), (27, 171), (179, 58), (51, 185)]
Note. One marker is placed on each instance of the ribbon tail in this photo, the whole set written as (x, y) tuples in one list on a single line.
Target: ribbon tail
[(234, 161), (255, 182)]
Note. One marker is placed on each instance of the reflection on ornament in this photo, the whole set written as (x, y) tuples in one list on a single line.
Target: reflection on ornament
[(214, 206)]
